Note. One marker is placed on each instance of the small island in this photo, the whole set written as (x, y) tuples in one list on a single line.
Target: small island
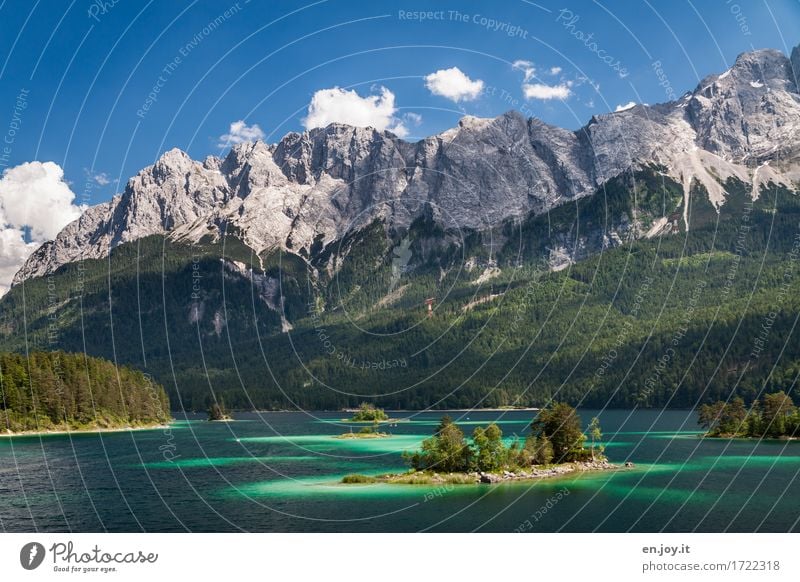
[(555, 446), (366, 432), (367, 412), (55, 392), (774, 416), (218, 413)]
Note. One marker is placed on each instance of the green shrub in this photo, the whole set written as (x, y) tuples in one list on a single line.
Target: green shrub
[(358, 478), (368, 413)]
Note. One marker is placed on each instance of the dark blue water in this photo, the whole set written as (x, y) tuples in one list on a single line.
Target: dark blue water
[(280, 472)]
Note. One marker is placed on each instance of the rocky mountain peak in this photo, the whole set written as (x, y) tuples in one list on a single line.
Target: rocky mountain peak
[(171, 163), (765, 64), (748, 111), (765, 69), (250, 166)]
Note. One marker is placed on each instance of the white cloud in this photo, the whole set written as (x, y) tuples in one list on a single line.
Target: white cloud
[(453, 84), (13, 252), (526, 67), (413, 118), (34, 199), (35, 195), (542, 91), (399, 129), (401, 126), (101, 178), (625, 107), (240, 132), (338, 105)]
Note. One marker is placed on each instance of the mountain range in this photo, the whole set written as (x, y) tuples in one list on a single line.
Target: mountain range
[(247, 257), (312, 188)]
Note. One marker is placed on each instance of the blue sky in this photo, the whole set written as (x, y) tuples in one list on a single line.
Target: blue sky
[(87, 68)]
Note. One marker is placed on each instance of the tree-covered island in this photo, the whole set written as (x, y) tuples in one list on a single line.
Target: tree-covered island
[(774, 416), (217, 412), (555, 446), (367, 412), (57, 391)]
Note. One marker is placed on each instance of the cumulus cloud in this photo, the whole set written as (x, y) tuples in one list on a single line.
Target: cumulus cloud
[(545, 92), (240, 132), (399, 129), (413, 118), (540, 90), (453, 84), (35, 204), (526, 67), (400, 126), (338, 105), (35, 195), (628, 105), (13, 252), (102, 179)]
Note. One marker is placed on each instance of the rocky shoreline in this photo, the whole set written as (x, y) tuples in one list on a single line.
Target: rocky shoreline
[(545, 472), (536, 473), (362, 436)]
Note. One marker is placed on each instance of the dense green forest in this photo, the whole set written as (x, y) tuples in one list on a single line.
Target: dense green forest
[(56, 390), (677, 320)]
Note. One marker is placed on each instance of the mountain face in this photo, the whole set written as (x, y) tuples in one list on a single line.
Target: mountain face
[(313, 188), (559, 262)]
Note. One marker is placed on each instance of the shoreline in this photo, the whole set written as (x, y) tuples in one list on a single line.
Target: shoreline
[(479, 410), (404, 410), (93, 430), (359, 436), (437, 410), (477, 477), (780, 439), (387, 421)]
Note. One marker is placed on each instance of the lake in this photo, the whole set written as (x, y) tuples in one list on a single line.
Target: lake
[(279, 471)]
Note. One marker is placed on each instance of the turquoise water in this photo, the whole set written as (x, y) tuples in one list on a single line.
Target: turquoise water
[(280, 472)]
